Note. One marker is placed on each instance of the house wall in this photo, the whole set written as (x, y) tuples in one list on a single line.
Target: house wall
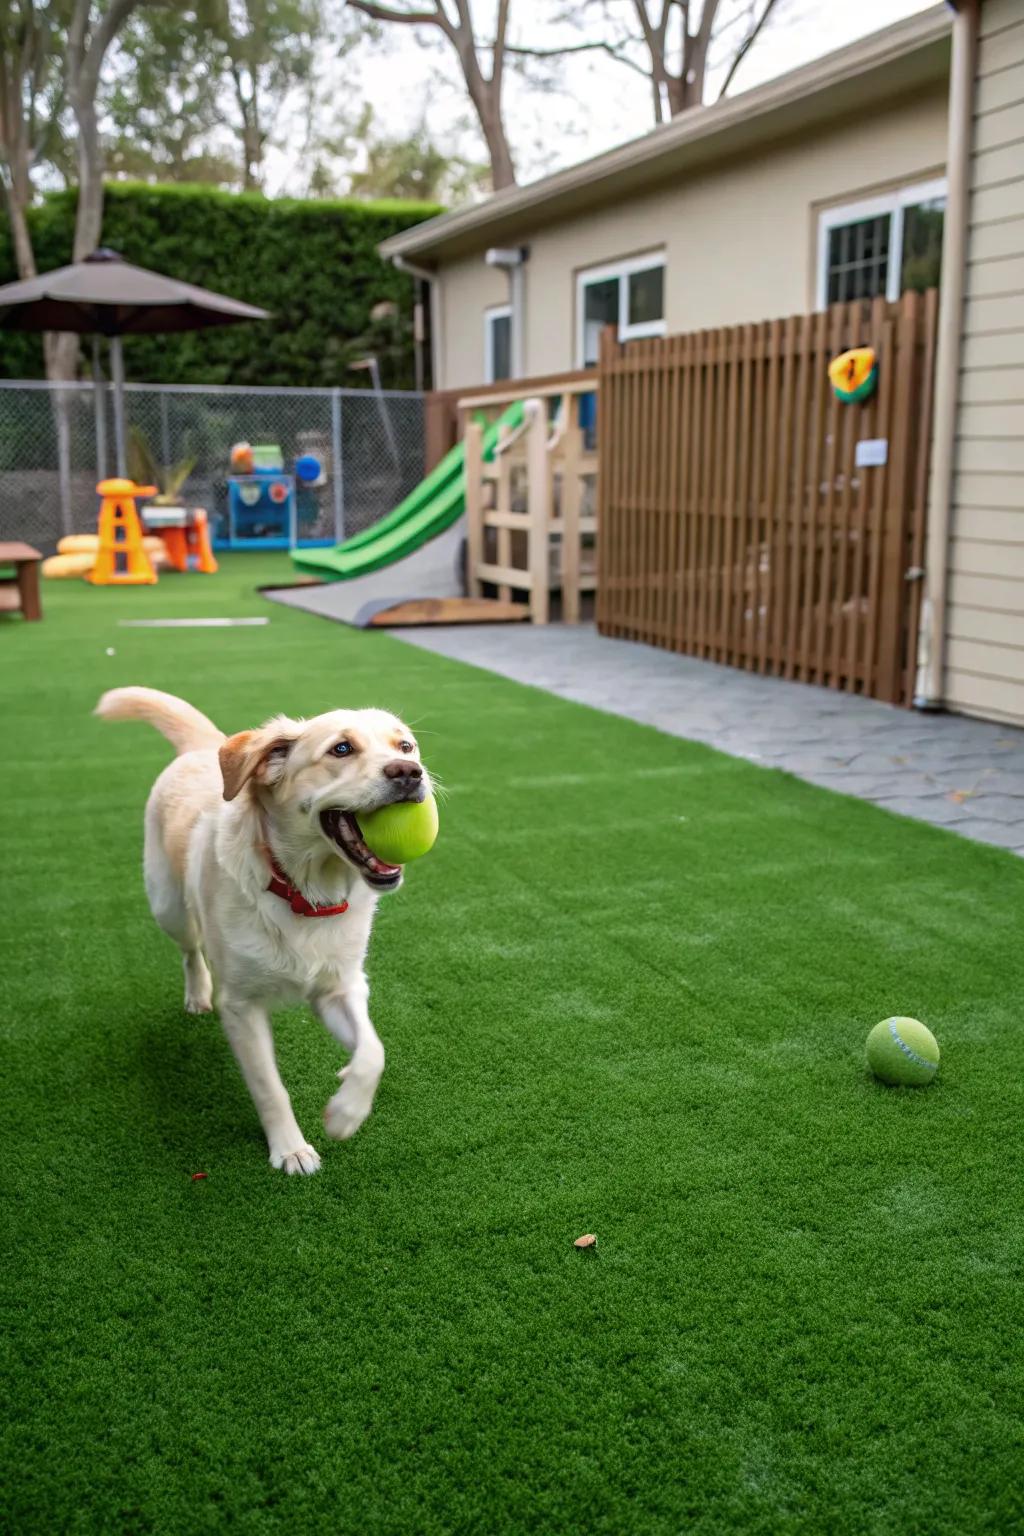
[(739, 238), (985, 614), (467, 290)]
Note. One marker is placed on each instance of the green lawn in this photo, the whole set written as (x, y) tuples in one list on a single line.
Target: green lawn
[(627, 994)]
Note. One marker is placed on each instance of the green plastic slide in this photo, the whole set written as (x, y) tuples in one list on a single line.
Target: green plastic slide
[(435, 504)]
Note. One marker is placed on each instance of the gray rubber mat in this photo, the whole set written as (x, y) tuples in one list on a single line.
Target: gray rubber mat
[(432, 571)]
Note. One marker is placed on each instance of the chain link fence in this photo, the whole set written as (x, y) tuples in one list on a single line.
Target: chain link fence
[(57, 441)]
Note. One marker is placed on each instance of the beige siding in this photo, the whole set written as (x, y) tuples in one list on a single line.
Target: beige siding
[(739, 239), (985, 619), (466, 290)]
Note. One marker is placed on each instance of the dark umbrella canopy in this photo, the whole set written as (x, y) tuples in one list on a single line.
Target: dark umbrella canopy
[(104, 295), (107, 296)]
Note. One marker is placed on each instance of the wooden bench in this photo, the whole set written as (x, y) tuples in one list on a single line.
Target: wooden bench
[(20, 593)]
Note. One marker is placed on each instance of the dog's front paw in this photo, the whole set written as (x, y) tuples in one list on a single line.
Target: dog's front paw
[(299, 1159), (345, 1113), (198, 1002)]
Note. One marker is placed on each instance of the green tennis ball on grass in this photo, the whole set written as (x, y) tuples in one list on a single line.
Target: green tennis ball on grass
[(398, 833), (903, 1051)]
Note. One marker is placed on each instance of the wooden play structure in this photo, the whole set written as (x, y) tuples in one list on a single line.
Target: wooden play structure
[(531, 512)]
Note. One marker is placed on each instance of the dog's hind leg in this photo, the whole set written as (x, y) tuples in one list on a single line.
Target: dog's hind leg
[(347, 1017), (166, 893)]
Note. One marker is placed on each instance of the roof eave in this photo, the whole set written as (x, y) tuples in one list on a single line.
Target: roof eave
[(909, 55)]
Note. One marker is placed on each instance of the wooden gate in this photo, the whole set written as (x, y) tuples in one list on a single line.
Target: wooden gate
[(736, 523)]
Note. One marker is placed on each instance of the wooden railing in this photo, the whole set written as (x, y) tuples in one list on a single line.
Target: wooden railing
[(532, 510)]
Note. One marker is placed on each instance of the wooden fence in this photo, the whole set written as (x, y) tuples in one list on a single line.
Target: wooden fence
[(736, 523)]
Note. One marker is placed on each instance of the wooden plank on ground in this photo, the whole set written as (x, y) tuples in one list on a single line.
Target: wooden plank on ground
[(450, 610)]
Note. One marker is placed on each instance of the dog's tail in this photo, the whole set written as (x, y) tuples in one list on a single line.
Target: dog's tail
[(185, 728)]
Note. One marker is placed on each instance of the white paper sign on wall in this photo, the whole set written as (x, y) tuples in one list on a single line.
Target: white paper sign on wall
[(871, 451)]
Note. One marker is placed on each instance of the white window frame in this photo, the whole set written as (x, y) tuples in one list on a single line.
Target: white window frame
[(494, 312), (895, 203), (621, 270)]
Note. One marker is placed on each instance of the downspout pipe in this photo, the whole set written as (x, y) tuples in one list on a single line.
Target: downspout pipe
[(513, 260), (425, 276), (929, 692)]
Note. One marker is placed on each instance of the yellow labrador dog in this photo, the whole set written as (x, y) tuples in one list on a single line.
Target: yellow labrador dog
[(255, 867)]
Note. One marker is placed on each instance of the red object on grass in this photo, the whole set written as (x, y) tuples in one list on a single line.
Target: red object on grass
[(199, 1176)]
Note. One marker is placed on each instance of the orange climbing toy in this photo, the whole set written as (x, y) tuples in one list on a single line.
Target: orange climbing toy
[(122, 559)]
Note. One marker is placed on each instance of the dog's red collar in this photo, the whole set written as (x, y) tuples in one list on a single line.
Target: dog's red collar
[(281, 886)]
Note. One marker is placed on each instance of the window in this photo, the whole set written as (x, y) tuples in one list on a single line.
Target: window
[(881, 246), (629, 295), (498, 344)]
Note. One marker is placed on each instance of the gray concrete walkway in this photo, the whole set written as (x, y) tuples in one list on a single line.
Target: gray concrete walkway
[(964, 774)]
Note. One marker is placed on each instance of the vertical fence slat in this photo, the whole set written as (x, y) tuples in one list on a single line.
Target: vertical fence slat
[(737, 640), (727, 505), (783, 493), (705, 464), (686, 455), (820, 392), (919, 512), (891, 615), (861, 618), (767, 617), (886, 351), (797, 532), (840, 665)]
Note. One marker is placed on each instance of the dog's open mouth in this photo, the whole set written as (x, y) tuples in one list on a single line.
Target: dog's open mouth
[(343, 829)]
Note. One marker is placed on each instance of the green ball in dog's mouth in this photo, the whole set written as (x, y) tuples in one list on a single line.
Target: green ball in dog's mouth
[(399, 833)]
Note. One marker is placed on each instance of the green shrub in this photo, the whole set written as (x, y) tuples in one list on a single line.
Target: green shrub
[(313, 264)]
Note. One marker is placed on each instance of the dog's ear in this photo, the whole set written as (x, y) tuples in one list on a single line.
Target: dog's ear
[(252, 753)]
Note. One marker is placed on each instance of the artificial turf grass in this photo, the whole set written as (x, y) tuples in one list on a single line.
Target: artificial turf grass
[(803, 1313)]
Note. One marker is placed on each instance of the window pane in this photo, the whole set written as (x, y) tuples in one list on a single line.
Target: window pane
[(858, 259), (501, 347), (921, 258), (646, 296), (600, 308)]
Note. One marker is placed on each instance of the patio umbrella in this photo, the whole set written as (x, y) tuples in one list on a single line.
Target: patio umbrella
[(104, 295)]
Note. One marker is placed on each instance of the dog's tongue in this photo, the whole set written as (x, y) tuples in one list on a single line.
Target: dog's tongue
[(380, 868)]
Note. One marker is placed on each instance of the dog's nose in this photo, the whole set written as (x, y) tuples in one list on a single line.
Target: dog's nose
[(402, 768)]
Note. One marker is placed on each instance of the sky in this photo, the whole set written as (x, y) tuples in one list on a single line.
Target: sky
[(596, 103)]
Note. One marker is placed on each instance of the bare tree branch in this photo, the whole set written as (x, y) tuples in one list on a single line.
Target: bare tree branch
[(408, 18), (484, 90), (611, 49), (500, 40), (677, 44), (745, 47)]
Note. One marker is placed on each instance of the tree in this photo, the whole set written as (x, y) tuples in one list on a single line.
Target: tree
[(32, 98), (414, 169), (266, 48), (674, 43), (164, 102), (52, 55), (482, 64)]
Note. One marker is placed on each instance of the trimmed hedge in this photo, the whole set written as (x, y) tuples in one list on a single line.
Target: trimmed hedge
[(313, 264)]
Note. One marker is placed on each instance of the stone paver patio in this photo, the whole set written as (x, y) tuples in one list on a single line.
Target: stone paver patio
[(967, 775)]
